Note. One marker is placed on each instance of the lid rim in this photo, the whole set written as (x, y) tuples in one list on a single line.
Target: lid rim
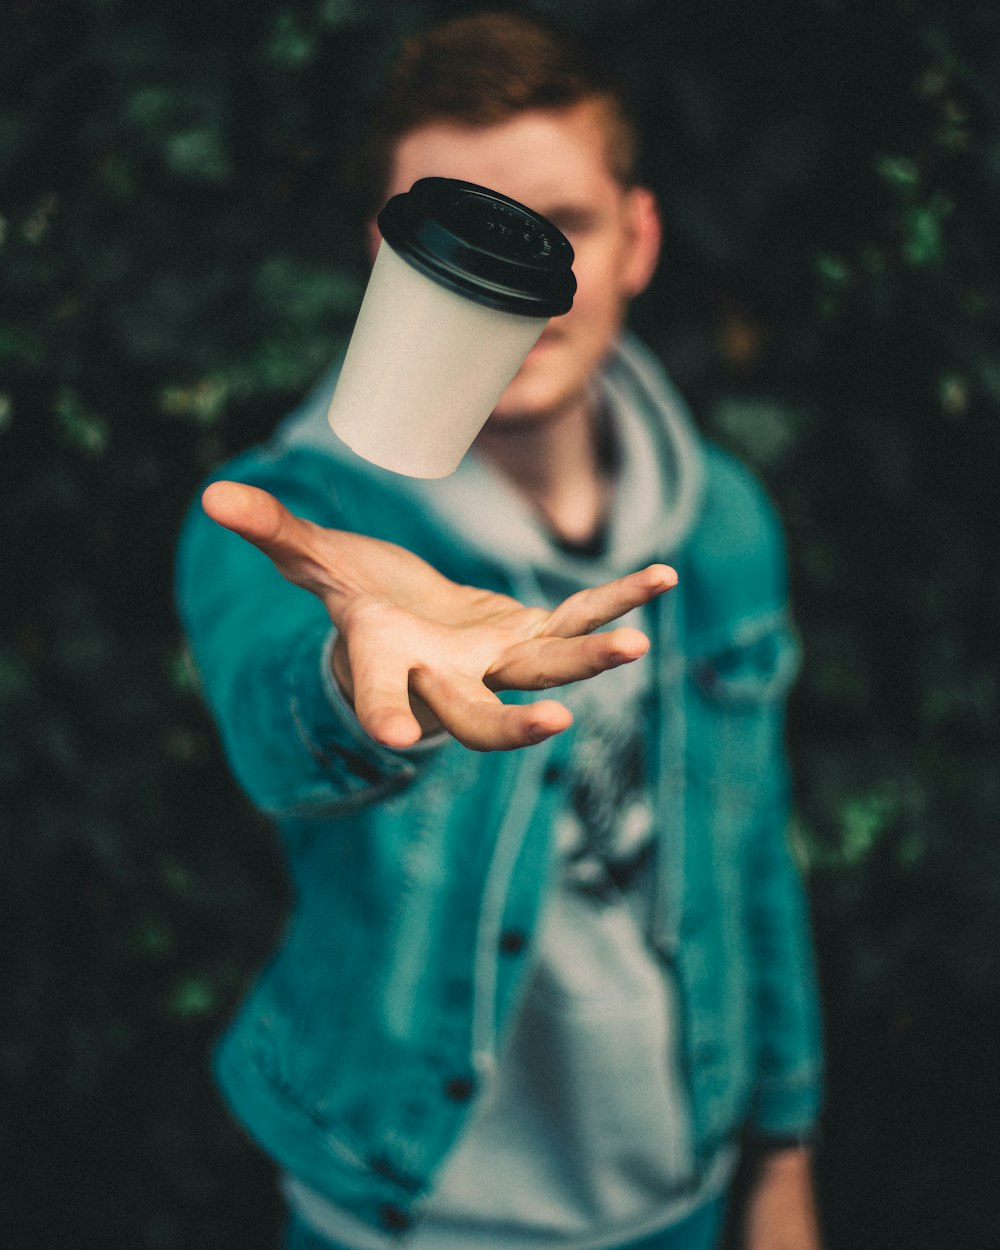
[(491, 294), (420, 226)]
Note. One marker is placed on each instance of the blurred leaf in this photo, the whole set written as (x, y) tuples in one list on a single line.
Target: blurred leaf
[(924, 242), (760, 430), (340, 12), (864, 820), (290, 45), (81, 428), (898, 171), (203, 402), (192, 997), (198, 154), (300, 295)]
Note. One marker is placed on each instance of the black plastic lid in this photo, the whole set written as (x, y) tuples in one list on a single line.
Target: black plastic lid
[(483, 245)]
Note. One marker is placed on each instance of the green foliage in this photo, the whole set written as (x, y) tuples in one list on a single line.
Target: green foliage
[(180, 258)]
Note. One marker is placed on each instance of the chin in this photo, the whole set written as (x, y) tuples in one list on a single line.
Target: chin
[(533, 397), (520, 417), (524, 401)]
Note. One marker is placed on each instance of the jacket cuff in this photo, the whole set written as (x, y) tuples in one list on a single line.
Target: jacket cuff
[(788, 1109), (349, 764), (773, 1143)]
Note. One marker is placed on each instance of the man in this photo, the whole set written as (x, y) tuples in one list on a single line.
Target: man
[(539, 996)]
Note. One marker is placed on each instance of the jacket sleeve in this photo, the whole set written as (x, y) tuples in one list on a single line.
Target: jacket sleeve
[(261, 647), (786, 1000), (786, 996), (745, 588)]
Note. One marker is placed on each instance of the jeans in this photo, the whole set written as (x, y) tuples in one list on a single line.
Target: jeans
[(700, 1231)]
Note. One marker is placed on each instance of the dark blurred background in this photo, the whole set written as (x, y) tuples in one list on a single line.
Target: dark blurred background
[(178, 261)]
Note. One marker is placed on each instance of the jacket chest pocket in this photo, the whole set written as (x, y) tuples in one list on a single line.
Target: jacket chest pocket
[(736, 723)]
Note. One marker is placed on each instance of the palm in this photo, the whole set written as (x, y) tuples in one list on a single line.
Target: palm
[(415, 649)]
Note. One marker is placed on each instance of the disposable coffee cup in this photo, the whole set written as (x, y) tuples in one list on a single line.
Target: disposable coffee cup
[(463, 284)]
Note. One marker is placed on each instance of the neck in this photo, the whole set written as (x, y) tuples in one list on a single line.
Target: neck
[(557, 464)]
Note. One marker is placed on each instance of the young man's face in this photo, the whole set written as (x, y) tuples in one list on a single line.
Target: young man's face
[(554, 161)]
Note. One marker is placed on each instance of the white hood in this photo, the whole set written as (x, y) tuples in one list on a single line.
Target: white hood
[(657, 492)]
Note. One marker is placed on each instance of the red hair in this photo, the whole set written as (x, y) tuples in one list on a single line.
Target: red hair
[(483, 69)]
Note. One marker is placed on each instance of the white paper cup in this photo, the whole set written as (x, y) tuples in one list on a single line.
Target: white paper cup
[(463, 284)]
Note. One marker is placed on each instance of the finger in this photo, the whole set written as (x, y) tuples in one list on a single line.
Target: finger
[(546, 662), (588, 609), (478, 719), (247, 510), (508, 727), (289, 541), (380, 682)]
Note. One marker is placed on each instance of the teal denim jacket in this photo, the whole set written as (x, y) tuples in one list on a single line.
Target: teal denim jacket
[(419, 875)]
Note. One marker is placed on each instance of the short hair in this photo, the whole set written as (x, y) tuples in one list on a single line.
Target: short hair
[(482, 69)]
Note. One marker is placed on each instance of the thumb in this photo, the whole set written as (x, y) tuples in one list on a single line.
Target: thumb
[(246, 510), (263, 520)]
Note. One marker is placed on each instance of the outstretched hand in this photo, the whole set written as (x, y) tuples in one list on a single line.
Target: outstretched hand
[(416, 652)]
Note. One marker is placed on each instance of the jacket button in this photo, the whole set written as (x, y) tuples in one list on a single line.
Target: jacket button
[(552, 774), (512, 942), (393, 1218), (459, 1088)]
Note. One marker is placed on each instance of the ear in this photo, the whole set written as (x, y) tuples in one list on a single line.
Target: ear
[(644, 236)]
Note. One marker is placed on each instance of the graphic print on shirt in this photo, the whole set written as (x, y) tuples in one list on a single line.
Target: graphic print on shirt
[(605, 835)]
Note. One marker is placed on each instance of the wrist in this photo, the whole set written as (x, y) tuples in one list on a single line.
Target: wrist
[(773, 1152), (765, 1142)]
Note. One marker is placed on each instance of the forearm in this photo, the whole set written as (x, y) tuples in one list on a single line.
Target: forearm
[(780, 1211)]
